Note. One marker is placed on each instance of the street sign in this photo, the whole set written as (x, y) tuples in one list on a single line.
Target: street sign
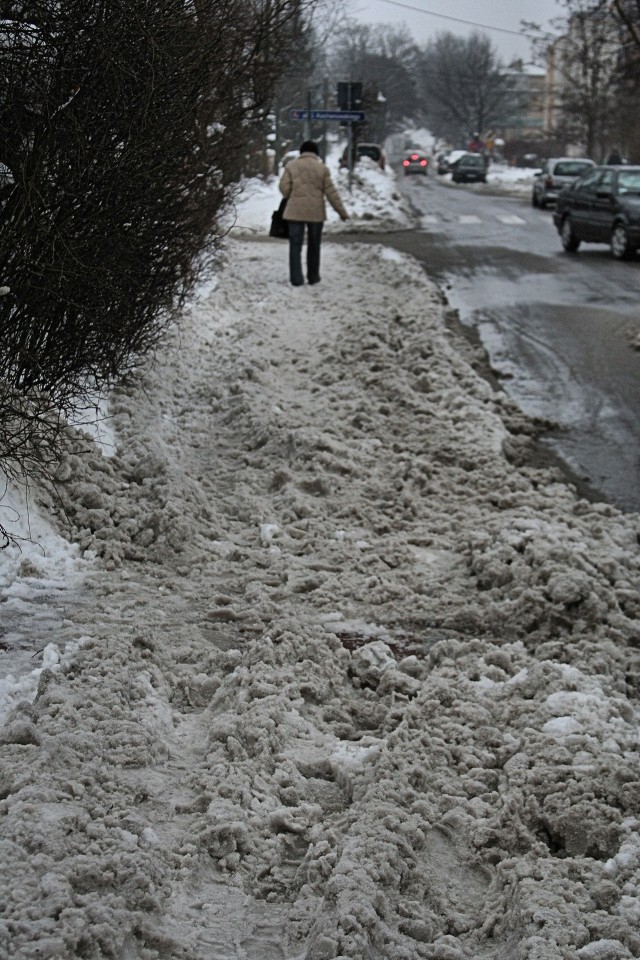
[(354, 115)]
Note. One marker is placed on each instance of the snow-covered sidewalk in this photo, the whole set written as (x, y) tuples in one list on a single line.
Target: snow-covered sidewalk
[(354, 680)]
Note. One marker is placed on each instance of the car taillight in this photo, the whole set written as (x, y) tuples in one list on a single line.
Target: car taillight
[(414, 156), (405, 163), (423, 163)]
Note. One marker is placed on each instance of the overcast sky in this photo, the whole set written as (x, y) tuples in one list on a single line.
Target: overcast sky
[(446, 15)]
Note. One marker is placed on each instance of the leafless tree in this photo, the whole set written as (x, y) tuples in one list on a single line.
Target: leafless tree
[(384, 59), (629, 13), (463, 86), (584, 56)]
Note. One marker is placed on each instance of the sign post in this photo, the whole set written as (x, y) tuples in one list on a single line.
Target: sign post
[(346, 117), (350, 99)]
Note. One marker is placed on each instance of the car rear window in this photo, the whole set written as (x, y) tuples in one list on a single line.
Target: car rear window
[(472, 161), (372, 152), (570, 168)]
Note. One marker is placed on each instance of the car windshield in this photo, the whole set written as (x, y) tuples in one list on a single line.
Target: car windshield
[(629, 181), (569, 168)]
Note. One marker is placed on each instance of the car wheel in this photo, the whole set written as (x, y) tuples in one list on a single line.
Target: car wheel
[(542, 203), (569, 240), (620, 248), (534, 200)]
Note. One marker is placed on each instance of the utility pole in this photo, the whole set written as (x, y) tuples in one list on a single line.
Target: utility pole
[(350, 98), (325, 105)]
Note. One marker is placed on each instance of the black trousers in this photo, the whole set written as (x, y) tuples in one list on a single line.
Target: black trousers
[(296, 239)]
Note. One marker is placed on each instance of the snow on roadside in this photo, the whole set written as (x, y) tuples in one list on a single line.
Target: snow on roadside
[(359, 681), (512, 179), (374, 202)]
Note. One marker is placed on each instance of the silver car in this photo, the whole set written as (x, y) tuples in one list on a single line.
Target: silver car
[(557, 173)]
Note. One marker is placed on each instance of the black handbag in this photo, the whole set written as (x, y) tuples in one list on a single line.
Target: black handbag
[(279, 226)]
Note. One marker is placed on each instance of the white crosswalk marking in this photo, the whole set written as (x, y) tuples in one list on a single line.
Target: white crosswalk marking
[(510, 219)]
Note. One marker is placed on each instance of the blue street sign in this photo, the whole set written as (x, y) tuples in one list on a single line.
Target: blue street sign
[(355, 115)]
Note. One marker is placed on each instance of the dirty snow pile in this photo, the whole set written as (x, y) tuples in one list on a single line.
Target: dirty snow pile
[(512, 179), (346, 676), (372, 198)]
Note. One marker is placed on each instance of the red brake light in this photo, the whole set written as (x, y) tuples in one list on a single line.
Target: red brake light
[(405, 163), (414, 156), (423, 163)]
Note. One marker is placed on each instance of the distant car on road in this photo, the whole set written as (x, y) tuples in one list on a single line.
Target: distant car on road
[(470, 168), (556, 174), (415, 162), (372, 150), (602, 206)]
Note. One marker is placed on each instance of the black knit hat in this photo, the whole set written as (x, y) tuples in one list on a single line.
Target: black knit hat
[(310, 146)]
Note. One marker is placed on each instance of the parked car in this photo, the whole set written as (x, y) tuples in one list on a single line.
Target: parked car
[(415, 162), (470, 168), (556, 174), (371, 150), (602, 206)]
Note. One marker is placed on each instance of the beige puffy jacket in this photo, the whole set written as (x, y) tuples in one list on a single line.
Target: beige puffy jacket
[(306, 182)]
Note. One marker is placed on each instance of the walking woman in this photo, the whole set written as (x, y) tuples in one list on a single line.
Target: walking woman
[(306, 183)]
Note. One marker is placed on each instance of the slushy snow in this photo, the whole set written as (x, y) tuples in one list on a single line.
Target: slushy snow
[(316, 663)]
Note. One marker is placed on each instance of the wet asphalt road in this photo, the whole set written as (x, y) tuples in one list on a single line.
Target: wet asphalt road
[(557, 328)]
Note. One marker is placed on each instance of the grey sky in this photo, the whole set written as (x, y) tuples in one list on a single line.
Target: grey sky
[(505, 14)]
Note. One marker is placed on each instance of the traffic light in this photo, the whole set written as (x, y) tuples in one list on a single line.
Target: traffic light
[(349, 96)]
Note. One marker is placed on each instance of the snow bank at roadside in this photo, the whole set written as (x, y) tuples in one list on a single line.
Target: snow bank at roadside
[(374, 202), (513, 179), (357, 680)]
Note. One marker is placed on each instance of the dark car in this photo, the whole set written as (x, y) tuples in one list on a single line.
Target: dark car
[(415, 162), (470, 168), (556, 174), (602, 206), (371, 150)]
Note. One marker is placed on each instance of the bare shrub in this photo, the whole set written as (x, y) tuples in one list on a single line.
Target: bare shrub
[(122, 131)]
